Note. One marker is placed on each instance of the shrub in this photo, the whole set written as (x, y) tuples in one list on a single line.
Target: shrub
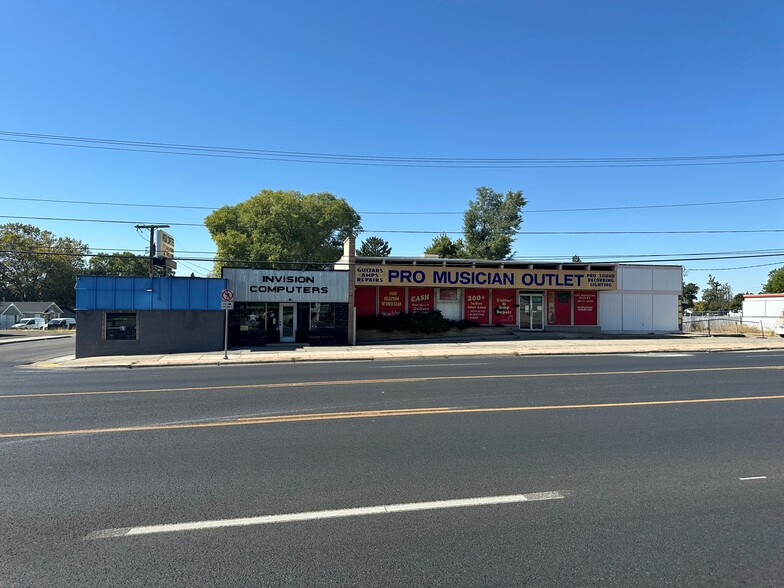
[(417, 322)]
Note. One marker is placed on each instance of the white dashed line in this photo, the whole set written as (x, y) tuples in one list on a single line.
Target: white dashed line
[(753, 478), (323, 514)]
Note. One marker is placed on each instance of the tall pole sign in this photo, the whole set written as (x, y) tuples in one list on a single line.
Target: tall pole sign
[(152, 228)]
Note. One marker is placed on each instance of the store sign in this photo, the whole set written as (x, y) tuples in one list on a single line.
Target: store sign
[(524, 279), (504, 309), (421, 299), (585, 308), (390, 301), (251, 285), (476, 306), (164, 244)]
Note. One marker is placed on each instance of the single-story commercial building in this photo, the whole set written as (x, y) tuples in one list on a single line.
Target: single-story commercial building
[(318, 307), (133, 315), (288, 306), (165, 315), (530, 296)]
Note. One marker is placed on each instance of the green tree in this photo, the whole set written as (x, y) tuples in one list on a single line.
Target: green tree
[(690, 292), (445, 247), (37, 265), (490, 223), (374, 247), (736, 303), (119, 264), (716, 296), (283, 226), (775, 283)]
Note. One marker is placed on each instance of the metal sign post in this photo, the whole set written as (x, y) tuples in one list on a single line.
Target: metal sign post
[(227, 304)]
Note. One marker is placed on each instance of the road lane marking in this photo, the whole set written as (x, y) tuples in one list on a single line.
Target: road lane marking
[(334, 416), (753, 478), (421, 365), (654, 354), (324, 514), (410, 380)]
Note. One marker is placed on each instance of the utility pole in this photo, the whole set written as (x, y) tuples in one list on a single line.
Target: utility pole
[(152, 244)]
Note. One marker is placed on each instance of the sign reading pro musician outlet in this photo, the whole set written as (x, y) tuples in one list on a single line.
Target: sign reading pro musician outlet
[(269, 285), (518, 278)]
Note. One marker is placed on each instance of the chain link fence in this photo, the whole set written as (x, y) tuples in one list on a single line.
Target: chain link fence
[(723, 323)]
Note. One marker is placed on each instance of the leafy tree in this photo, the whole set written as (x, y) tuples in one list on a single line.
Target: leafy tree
[(284, 226), (490, 223), (775, 283), (736, 303), (445, 247), (716, 296), (374, 247), (120, 264), (37, 265), (690, 291)]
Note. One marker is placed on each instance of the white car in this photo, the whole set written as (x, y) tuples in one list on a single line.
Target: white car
[(61, 323), (30, 323), (779, 330)]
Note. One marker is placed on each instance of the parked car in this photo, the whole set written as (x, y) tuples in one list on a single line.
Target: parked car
[(779, 330), (30, 323), (61, 323)]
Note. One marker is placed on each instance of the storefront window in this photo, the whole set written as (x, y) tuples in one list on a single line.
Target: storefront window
[(322, 315), (120, 326)]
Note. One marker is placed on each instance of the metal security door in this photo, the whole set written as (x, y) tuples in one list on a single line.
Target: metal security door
[(288, 323)]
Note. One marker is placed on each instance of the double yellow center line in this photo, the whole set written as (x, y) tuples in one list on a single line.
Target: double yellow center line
[(331, 416), (361, 382)]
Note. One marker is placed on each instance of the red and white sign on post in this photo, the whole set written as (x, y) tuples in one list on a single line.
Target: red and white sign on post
[(227, 300), (227, 304)]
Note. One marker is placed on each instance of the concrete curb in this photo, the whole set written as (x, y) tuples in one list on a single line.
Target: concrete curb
[(400, 354), (27, 339)]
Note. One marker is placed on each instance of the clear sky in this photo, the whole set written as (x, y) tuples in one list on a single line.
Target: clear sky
[(424, 79)]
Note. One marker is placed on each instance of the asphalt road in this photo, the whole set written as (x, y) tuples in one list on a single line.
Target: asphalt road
[(651, 470)]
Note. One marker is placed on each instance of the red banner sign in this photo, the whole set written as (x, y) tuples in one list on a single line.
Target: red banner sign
[(390, 301), (476, 306), (504, 309), (585, 308), (421, 299)]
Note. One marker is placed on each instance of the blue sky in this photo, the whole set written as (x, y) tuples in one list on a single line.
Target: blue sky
[(429, 78)]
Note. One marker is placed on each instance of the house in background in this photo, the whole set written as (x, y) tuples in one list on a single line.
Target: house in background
[(12, 312)]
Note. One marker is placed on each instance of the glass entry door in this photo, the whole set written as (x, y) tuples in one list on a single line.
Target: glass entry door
[(531, 312), (288, 323)]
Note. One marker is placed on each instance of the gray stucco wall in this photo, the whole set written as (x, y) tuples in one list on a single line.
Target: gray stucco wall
[(160, 331)]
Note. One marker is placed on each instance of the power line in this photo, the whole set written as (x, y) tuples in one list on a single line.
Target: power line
[(524, 233), (97, 220), (456, 262), (412, 232), (722, 269), (380, 160), (696, 255), (555, 257), (416, 232), (417, 213)]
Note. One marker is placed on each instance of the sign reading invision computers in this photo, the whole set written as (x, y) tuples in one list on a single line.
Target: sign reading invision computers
[(269, 285)]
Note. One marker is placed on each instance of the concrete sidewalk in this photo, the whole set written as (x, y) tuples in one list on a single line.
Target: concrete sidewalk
[(435, 349), (7, 339)]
